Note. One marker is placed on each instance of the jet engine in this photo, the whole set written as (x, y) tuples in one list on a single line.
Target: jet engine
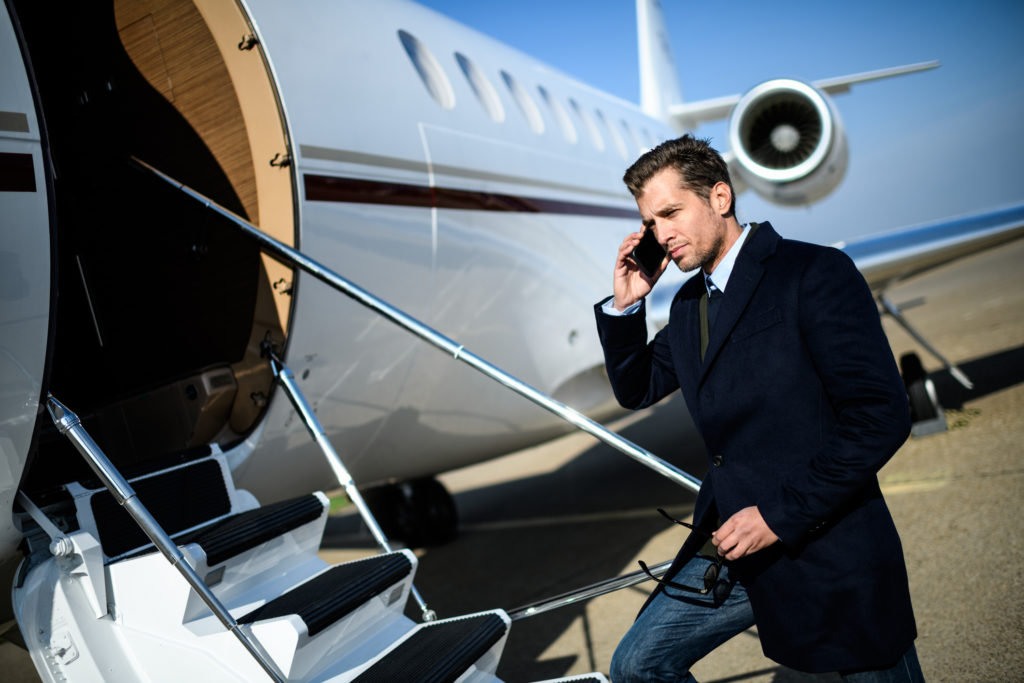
[(789, 142)]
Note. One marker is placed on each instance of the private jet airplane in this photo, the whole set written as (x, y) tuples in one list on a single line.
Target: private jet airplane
[(144, 327)]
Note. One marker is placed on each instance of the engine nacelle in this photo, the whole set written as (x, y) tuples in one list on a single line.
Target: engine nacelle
[(789, 142)]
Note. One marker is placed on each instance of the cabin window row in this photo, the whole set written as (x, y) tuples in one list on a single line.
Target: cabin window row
[(434, 78)]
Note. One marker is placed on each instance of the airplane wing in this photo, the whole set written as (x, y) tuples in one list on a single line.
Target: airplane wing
[(891, 257), (691, 114)]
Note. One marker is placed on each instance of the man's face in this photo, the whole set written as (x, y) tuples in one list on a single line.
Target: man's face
[(686, 225)]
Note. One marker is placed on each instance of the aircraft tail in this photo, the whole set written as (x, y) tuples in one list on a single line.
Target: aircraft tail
[(660, 87)]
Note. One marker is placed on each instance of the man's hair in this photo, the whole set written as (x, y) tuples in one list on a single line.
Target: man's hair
[(700, 166)]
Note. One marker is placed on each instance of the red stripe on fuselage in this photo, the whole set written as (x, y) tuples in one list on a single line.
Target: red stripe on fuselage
[(323, 188)]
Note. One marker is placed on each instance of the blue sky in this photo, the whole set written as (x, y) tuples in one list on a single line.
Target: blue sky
[(922, 147)]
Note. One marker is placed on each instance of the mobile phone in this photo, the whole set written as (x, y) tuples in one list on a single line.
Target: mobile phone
[(648, 254)]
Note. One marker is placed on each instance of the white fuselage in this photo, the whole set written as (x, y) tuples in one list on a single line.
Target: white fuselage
[(461, 181), (514, 286)]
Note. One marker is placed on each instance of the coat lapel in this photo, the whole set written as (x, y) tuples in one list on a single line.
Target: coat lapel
[(743, 283)]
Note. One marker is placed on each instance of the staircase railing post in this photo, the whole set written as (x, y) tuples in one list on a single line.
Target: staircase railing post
[(316, 430), (70, 426)]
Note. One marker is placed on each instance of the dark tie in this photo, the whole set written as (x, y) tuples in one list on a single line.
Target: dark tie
[(714, 300)]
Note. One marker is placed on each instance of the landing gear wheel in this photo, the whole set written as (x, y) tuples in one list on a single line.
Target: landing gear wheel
[(420, 512), (922, 404)]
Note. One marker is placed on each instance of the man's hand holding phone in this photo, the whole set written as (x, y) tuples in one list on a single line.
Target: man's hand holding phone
[(641, 261)]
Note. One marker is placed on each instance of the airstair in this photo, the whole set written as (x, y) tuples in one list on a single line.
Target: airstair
[(174, 574)]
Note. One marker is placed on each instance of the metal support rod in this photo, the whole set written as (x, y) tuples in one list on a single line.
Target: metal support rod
[(456, 350), (587, 592), (894, 310), (316, 430), (70, 426), (40, 518)]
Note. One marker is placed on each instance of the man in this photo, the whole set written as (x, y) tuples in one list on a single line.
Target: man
[(778, 350)]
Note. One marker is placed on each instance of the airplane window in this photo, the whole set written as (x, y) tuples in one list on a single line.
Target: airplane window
[(482, 88), (525, 102), (637, 145), (616, 138), (430, 71), (568, 130), (595, 135)]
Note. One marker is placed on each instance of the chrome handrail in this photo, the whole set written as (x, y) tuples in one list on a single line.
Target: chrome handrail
[(428, 334), (587, 592), (70, 426)]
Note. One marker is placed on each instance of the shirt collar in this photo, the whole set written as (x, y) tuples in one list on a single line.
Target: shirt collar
[(724, 269)]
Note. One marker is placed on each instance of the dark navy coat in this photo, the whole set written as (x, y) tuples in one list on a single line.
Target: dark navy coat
[(799, 402)]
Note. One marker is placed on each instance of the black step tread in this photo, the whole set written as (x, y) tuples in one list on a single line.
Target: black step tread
[(154, 465), (225, 538), (236, 534), (328, 597), (200, 484), (438, 653)]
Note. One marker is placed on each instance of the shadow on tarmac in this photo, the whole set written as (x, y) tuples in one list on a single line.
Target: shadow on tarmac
[(534, 537), (540, 535), (578, 524), (992, 373)]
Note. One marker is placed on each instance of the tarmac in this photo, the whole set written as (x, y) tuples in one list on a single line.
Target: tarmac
[(559, 516)]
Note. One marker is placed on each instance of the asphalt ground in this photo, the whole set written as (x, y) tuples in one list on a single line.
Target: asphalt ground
[(549, 519)]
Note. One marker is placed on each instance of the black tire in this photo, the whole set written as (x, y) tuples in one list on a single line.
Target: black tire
[(419, 513), (385, 502), (434, 509), (915, 379)]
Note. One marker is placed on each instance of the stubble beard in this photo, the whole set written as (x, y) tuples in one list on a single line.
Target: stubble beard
[(703, 257)]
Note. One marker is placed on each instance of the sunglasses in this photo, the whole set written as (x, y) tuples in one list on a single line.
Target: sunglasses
[(711, 574)]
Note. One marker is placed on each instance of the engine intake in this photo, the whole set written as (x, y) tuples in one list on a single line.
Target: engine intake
[(789, 142)]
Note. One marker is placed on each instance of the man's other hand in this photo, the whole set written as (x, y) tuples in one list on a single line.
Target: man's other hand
[(743, 534)]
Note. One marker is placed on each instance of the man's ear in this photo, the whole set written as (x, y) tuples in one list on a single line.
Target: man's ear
[(721, 197)]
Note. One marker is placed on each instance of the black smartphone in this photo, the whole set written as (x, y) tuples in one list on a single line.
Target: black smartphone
[(648, 254)]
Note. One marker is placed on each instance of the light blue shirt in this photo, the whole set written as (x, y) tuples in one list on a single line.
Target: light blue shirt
[(724, 270), (720, 276)]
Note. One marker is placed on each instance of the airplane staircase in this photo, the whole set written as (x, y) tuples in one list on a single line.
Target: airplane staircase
[(174, 574)]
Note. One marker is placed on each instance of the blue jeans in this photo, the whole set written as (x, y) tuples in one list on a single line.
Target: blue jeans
[(907, 670), (678, 628)]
